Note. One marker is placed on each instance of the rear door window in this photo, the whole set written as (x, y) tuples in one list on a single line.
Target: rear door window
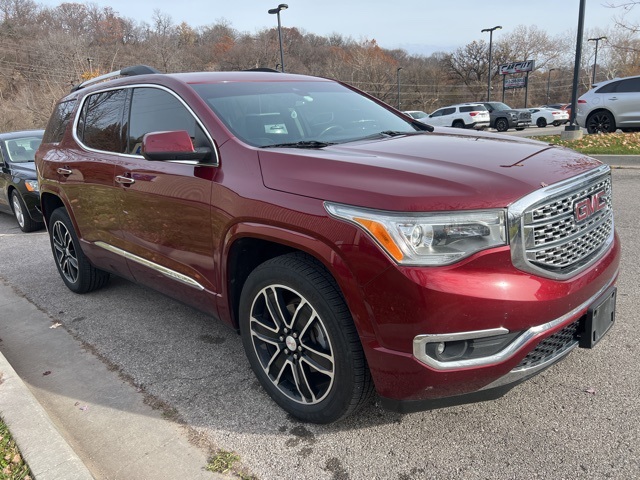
[(58, 122), (100, 123)]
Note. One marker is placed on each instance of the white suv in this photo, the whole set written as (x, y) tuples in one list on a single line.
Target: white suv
[(611, 105), (468, 115)]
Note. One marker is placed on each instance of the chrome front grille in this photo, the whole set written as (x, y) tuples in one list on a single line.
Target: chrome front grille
[(560, 230)]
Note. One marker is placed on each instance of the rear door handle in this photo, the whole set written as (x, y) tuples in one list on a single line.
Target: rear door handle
[(124, 180), (64, 171)]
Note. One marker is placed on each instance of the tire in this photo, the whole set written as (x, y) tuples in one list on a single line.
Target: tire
[(519, 129), (502, 125), (541, 122), (458, 124), (75, 269), (20, 212), (301, 342), (601, 122)]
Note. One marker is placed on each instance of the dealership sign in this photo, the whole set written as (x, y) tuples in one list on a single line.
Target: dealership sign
[(516, 67), (515, 82)]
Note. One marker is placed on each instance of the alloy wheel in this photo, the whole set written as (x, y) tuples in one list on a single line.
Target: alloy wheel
[(65, 251), (17, 210), (292, 345)]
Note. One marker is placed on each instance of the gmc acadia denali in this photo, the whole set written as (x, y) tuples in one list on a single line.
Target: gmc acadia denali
[(355, 249)]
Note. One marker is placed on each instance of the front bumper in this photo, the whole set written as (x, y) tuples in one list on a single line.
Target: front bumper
[(483, 298)]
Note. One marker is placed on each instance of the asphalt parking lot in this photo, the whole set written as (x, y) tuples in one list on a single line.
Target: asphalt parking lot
[(579, 419)]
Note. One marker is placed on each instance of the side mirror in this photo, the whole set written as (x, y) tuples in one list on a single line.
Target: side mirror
[(175, 145)]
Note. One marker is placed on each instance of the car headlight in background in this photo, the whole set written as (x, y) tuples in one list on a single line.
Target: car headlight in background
[(428, 239), (32, 185)]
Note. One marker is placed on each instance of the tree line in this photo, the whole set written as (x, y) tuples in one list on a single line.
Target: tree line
[(45, 50)]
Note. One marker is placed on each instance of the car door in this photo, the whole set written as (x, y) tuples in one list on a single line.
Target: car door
[(441, 117), (166, 205), (86, 174), (5, 176), (624, 102)]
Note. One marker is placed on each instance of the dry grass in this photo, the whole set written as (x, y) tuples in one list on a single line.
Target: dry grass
[(12, 466), (601, 144)]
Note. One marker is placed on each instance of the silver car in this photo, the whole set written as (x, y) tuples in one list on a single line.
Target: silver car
[(611, 105)]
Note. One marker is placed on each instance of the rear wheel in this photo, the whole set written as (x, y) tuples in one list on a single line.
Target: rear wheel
[(458, 124), (74, 268), (301, 342), (502, 125), (26, 223), (601, 122), (541, 122)]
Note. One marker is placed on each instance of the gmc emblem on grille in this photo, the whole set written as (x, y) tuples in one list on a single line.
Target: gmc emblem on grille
[(586, 207)]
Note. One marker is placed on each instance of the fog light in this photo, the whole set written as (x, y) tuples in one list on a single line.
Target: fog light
[(440, 348)]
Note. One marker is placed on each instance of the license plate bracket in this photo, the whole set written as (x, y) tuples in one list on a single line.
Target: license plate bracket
[(599, 319)]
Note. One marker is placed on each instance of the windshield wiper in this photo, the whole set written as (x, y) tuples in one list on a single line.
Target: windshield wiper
[(301, 144)]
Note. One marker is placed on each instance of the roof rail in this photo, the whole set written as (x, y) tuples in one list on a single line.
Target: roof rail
[(125, 72), (262, 69)]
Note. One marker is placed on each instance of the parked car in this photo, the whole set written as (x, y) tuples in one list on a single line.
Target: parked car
[(545, 116), (418, 115), (19, 192), (503, 117), (611, 105), (354, 249), (468, 115)]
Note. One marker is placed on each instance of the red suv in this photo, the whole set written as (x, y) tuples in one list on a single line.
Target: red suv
[(354, 249)]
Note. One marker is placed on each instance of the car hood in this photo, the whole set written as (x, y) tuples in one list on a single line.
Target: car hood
[(24, 170), (432, 171)]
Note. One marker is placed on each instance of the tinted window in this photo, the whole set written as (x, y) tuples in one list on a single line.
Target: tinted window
[(448, 111), (100, 123), (155, 110), (609, 88), (438, 113), (629, 85), (473, 108), (59, 121)]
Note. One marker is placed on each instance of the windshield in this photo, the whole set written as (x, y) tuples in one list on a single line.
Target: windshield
[(499, 106), (301, 113), (22, 150)]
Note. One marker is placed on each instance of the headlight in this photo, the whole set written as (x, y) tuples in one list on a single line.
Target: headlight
[(32, 185), (427, 238)]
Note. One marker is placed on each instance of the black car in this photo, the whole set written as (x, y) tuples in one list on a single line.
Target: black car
[(19, 192)]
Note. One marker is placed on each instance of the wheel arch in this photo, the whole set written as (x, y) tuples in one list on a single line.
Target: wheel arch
[(48, 203), (250, 245)]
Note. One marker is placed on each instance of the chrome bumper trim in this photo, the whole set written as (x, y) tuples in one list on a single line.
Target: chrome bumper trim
[(420, 341), (167, 272)]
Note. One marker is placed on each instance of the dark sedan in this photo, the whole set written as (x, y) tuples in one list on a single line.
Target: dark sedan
[(19, 192)]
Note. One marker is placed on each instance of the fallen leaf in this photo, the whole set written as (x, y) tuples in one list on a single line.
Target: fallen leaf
[(48, 372), (591, 390), (84, 407), (56, 325), (76, 404)]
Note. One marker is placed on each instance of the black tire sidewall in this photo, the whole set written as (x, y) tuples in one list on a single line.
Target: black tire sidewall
[(337, 404), (89, 278)]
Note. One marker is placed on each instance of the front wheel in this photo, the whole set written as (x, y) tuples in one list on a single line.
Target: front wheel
[(78, 274), (601, 122), (26, 223), (502, 125), (301, 342), (541, 122)]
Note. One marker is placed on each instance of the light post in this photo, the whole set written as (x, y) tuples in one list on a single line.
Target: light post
[(276, 11), (398, 77), (549, 83), (490, 30), (595, 60), (573, 131)]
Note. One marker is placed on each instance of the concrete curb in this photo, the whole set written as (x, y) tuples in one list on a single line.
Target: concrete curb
[(45, 451), (619, 161)]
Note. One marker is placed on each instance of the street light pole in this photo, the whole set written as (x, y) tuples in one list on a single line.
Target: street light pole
[(398, 76), (276, 11), (490, 30), (548, 83), (595, 60)]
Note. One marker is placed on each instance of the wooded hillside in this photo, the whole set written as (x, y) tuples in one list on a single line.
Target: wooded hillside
[(44, 51)]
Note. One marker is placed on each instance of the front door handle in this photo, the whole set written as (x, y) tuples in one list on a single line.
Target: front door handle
[(124, 180)]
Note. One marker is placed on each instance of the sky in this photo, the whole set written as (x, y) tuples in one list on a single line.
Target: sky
[(418, 26)]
